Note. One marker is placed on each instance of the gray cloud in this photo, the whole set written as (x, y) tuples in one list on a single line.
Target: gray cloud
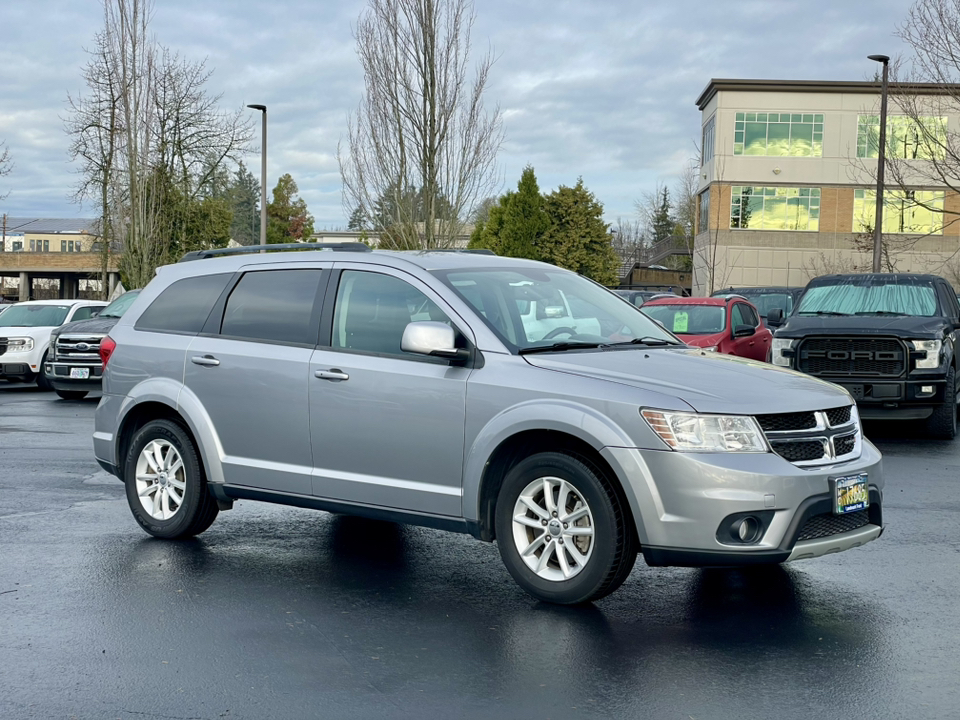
[(602, 90)]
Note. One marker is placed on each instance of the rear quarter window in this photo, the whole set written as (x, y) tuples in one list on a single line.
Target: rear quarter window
[(184, 306)]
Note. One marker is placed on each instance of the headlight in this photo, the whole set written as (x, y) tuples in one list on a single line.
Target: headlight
[(779, 345), (52, 352), (17, 345), (689, 432), (932, 350)]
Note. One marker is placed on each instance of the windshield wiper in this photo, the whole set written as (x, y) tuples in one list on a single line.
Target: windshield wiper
[(878, 312), (559, 347), (649, 341), (823, 312)]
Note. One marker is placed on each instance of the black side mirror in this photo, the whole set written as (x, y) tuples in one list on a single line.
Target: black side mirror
[(775, 317), (744, 331)]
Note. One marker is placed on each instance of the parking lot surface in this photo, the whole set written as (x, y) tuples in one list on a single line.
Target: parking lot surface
[(277, 612)]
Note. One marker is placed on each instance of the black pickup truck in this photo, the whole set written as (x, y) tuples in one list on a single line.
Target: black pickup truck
[(888, 338)]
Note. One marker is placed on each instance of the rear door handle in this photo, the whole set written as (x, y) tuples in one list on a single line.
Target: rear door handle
[(333, 374), (206, 360)]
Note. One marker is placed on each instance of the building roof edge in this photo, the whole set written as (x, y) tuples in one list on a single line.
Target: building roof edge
[(826, 86)]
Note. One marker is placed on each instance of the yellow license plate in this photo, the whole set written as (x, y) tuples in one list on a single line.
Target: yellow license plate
[(852, 493)]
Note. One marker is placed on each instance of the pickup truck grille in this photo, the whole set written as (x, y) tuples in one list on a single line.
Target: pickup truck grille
[(852, 357), (78, 348), (812, 438)]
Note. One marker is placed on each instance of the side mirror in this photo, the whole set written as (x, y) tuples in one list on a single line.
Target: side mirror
[(436, 339), (94, 313), (744, 331), (775, 317)]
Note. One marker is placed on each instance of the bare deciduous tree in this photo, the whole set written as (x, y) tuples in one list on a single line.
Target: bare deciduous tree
[(6, 164), (421, 149)]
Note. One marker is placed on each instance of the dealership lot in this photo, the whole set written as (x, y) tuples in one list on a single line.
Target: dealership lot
[(283, 613)]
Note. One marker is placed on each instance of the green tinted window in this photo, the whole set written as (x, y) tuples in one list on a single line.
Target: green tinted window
[(775, 208), (913, 212), (907, 138), (778, 134)]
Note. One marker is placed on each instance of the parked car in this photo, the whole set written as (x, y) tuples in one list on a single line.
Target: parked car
[(421, 388), (639, 297), (765, 299), (888, 338), (728, 325), (73, 366), (25, 330)]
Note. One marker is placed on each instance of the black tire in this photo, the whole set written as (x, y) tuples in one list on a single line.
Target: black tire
[(614, 541), (942, 424), (42, 382), (198, 508), (72, 394)]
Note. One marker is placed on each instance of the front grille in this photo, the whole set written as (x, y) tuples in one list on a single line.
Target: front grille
[(3, 345), (827, 524), (839, 416), (785, 422), (802, 451), (867, 357), (844, 445), (79, 348)]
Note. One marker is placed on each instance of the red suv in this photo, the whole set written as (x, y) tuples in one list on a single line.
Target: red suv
[(729, 325)]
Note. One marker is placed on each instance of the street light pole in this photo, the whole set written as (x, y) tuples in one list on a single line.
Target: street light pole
[(878, 222), (263, 178)]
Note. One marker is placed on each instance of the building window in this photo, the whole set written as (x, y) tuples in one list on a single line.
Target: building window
[(775, 208), (33, 246), (76, 246), (17, 246), (63, 246), (907, 138), (703, 212), (913, 212), (46, 246), (706, 145), (778, 134), (70, 244)]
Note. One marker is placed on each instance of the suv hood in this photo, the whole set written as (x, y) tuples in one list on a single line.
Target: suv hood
[(708, 382), (904, 326), (93, 326)]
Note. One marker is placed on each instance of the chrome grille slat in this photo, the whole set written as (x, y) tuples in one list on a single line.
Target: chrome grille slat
[(814, 438), (67, 348)]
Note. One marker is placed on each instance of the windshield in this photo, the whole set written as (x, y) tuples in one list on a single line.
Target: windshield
[(34, 316), (689, 319), (860, 296), (530, 308), (119, 306)]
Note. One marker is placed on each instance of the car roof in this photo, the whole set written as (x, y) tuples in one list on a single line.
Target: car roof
[(73, 301), (719, 302)]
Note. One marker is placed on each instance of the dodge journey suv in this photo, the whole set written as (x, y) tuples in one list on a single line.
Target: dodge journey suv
[(504, 398)]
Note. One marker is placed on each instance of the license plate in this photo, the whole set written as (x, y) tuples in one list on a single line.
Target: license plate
[(80, 373), (851, 494)]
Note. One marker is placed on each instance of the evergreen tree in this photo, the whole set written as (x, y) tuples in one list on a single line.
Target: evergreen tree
[(516, 224), (287, 216), (487, 234), (243, 197), (358, 220), (578, 239), (662, 221)]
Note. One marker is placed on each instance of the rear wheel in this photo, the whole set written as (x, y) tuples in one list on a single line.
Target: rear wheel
[(563, 531), (72, 394), (942, 423), (166, 488)]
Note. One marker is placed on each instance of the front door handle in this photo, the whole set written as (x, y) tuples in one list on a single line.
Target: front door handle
[(206, 360), (332, 374)]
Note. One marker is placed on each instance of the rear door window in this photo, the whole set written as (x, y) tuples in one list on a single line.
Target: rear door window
[(278, 306), (184, 306)]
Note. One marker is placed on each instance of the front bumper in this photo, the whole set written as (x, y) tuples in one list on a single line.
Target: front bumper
[(681, 500), (58, 373), (894, 399), (15, 369)]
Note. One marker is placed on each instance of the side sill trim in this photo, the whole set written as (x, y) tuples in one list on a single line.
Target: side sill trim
[(439, 522)]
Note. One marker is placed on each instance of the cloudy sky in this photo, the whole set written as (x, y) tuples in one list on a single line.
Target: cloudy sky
[(602, 89)]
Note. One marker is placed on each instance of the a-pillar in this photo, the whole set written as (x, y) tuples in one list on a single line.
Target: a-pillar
[(26, 285)]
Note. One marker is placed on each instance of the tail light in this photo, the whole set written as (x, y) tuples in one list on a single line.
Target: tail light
[(107, 346)]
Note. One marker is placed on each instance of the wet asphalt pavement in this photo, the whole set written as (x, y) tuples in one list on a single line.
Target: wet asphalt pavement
[(283, 613)]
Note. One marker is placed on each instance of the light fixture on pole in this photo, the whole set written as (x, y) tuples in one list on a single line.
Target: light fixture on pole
[(263, 178), (878, 222)]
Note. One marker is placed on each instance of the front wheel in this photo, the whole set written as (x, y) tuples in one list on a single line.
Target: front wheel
[(43, 382), (166, 488), (942, 423), (563, 532)]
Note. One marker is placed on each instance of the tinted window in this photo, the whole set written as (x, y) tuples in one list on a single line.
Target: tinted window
[(743, 315), (184, 306), (373, 310), (274, 305), (84, 313), (689, 319), (119, 306)]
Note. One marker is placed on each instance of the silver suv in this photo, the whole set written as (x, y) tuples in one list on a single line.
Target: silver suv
[(503, 398)]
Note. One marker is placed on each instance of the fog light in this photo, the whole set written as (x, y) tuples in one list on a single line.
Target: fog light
[(747, 529), (926, 389)]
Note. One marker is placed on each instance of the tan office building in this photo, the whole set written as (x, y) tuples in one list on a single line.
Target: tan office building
[(787, 185)]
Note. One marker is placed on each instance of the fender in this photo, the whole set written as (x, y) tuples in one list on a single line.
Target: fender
[(581, 421)]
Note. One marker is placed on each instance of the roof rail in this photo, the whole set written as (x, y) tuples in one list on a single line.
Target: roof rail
[(249, 249)]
